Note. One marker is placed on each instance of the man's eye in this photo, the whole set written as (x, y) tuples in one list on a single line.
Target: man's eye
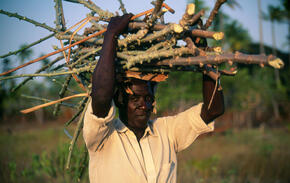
[(134, 98), (149, 98)]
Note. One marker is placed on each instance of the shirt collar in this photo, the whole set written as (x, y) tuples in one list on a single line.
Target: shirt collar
[(122, 128)]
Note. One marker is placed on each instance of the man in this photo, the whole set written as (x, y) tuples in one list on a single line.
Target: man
[(133, 148)]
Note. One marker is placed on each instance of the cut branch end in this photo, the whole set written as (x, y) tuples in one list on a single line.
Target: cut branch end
[(177, 28), (276, 63), (218, 36), (190, 9)]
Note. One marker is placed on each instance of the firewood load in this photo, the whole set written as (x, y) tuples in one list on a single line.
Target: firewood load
[(149, 50)]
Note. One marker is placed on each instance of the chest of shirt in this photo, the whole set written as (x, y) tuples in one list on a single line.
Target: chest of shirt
[(152, 158)]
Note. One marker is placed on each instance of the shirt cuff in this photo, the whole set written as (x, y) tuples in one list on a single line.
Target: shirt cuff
[(197, 122), (110, 116)]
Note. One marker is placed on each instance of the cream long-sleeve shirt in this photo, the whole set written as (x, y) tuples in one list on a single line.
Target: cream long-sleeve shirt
[(116, 156)]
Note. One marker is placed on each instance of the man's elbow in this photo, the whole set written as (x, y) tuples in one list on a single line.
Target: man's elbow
[(209, 116)]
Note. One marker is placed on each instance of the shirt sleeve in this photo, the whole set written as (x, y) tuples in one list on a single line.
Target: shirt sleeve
[(96, 129), (186, 126)]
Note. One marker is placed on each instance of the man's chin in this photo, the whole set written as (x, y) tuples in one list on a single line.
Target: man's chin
[(142, 119)]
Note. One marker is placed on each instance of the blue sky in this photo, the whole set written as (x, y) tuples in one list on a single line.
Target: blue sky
[(13, 32)]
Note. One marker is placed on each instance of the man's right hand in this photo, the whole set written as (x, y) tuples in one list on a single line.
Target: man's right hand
[(118, 24)]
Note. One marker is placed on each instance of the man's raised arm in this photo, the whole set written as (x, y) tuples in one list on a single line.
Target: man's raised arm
[(217, 107), (104, 74)]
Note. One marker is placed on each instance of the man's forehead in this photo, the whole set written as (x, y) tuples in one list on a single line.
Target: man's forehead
[(141, 86)]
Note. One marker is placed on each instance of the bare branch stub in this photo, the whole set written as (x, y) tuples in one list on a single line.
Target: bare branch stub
[(213, 13)]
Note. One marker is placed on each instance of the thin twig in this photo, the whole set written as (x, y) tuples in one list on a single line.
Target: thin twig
[(213, 13), (43, 25), (90, 5), (158, 6), (61, 94), (79, 111), (87, 68), (122, 7), (27, 46), (60, 22), (76, 134), (38, 71), (52, 102), (47, 100)]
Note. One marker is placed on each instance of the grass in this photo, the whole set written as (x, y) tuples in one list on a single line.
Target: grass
[(248, 156)]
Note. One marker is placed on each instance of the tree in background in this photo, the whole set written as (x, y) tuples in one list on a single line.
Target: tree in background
[(260, 27), (275, 14), (25, 54)]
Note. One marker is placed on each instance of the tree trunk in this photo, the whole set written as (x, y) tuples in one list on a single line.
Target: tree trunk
[(262, 50), (276, 71)]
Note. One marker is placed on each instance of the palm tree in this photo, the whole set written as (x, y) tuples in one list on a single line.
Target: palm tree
[(286, 17), (275, 15), (221, 16), (262, 50), (238, 37)]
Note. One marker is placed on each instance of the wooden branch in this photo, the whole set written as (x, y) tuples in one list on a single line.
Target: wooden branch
[(142, 25), (122, 7), (46, 100), (93, 51), (52, 102), (168, 29), (27, 46), (97, 41), (76, 134), (82, 69), (168, 8), (59, 16), (187, 16), (132, 37), (131, 61), (79, 111), (43, 25), (196, 17), (213, 13), (60, 84), (207, 34), (164, 44), (62, 93), (38, 71), (227, 57), (104, 15), (190, 44), (158, 6)]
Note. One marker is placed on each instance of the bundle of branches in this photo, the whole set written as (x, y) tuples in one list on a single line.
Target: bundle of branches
[(149, 47)]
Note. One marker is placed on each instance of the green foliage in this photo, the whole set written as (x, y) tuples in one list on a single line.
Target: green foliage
[(180, 89), (51, 166), (24, 54), (205, 167), (237, 37), (242, 156)]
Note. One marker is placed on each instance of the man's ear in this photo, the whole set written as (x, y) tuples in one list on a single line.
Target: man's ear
[(119, 99)]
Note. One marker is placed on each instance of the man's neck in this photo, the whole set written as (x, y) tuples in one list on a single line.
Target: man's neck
[(138, 132)]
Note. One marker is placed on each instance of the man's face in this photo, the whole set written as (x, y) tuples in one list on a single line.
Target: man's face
[(140, 104)]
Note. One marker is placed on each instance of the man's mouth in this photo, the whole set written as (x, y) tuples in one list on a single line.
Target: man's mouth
[(141, 113)]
